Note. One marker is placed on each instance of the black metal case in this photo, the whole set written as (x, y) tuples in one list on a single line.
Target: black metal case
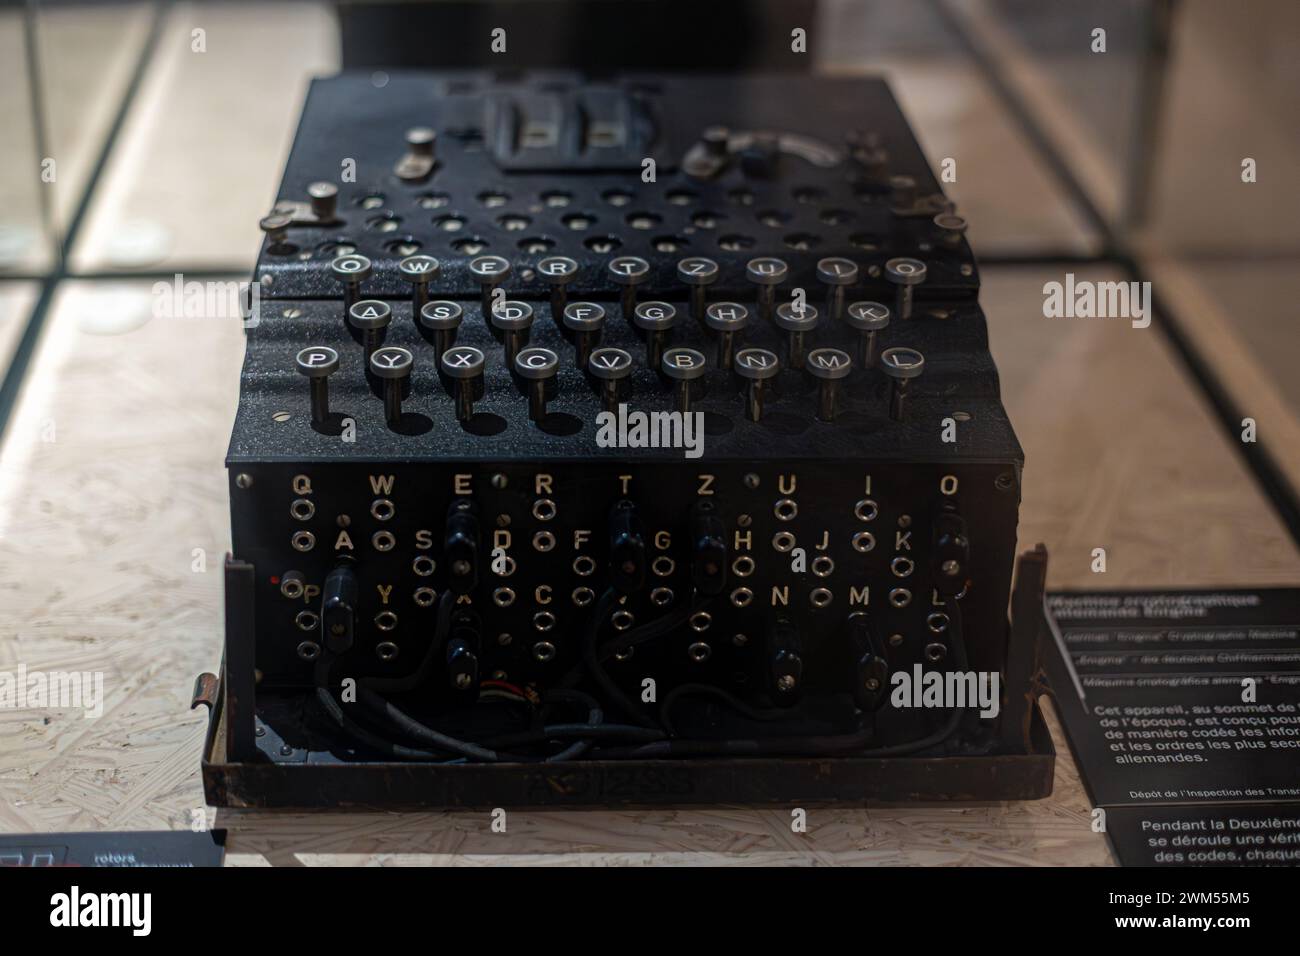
[(820, 519)]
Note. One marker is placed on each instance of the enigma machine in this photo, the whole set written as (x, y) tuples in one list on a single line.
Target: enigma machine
[(619, 441)]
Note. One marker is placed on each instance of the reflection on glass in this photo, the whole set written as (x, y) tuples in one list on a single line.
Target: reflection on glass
[(25, 172), (85, 55)]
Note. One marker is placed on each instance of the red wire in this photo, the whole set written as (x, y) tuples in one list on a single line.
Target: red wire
[(502, 684)]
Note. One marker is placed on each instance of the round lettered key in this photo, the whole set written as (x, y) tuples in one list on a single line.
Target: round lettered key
[(318, 363), (372, 317), (726, 320), (902, 365), (392, 364), (463, 365), (756, 367), (766, 272), (513, 320), (489, 272), (628, 272), (836, 273), (584, 320), (351, 270), (656, 320), (536, 367), (797, 321), (905, 273), (442, 317), (610, 368), (828, 367), (868, 318), (698, 273), (557, 272), (419, 271), (683, 366)]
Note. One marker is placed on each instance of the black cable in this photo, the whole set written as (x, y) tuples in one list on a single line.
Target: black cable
[(587, 731), (568, 695), (646, 632), (633, 638), (421, 673), (594, 729), (591, 660), (957, 640), (595, 715), (377, 704), (587, 734), (386, 709), (388, 712), (359, 733), (711, 690), (817, 745)]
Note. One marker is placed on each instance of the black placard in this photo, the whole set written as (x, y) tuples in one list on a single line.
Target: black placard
[(1184, 699), (1266, 834), (141, 848)]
